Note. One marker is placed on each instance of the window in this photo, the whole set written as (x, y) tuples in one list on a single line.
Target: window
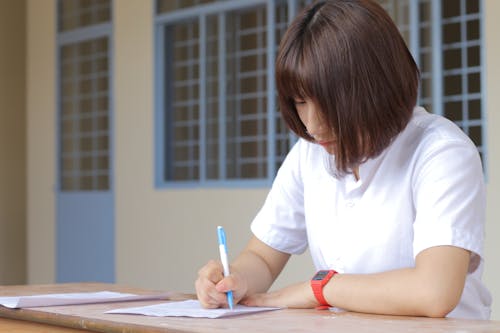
[(445, 39), (84, 94), (462, 68), (217, 119), (217, 113)]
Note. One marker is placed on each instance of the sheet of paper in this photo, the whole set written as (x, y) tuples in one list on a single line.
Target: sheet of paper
[(189, 308), (72, 298)]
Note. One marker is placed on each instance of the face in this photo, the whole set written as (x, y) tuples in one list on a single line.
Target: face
[(315, 124)]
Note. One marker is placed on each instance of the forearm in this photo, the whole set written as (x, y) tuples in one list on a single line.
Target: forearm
[(397, 292), (259, 265), (433, 288), (254, 270), (426, 290)]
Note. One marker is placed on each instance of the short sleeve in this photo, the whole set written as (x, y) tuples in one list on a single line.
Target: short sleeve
[(449, 197), (280, 223)]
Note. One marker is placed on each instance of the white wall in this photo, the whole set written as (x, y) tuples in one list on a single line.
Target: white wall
[(164, 235)]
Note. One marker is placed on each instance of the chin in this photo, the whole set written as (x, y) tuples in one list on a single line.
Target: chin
[(330, 150)]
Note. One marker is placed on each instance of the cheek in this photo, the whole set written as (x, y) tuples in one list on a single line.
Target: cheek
[(302, 117), (303, 122)]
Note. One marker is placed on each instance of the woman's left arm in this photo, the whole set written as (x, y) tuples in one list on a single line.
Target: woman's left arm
[(432, 288)]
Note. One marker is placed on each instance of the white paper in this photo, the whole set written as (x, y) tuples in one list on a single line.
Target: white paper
[(189, 308), (72, 298)]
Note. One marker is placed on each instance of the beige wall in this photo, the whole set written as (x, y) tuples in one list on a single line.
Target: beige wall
[(41, 113), (492, 70), (12, 142), (164, 235)]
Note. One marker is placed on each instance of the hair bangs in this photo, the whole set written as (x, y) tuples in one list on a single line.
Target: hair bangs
[(297, 75), (294, 75)]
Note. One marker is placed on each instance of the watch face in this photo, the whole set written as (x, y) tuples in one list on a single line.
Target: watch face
[(320, 275)]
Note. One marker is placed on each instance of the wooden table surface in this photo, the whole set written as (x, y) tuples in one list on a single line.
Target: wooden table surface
[(91, 317)]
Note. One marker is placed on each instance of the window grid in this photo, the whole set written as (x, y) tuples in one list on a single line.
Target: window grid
[(424, 53), (462, 68), (75, 14), (185, 140), (84, 94), (448, 35), (231, 122), (163, 6)]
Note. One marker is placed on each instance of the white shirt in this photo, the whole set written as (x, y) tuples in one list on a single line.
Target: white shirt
[(426, 189)]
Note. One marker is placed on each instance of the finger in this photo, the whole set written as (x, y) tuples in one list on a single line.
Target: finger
[(212, 271), (225, 285), (209, 304), (232, 282), (208, 296)]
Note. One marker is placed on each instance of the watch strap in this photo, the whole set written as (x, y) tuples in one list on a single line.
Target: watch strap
[(319, 280)]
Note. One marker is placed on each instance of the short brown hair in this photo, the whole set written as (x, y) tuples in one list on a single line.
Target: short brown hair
[(350, 59)]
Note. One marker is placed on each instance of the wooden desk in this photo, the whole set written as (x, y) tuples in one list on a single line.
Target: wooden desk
[(91, 317)]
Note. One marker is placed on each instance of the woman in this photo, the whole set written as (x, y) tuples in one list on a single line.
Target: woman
[(389, 198)]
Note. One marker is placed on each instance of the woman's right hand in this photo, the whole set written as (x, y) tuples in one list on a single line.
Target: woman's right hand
[(211, 285)]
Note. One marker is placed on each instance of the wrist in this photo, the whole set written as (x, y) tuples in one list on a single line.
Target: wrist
[(309, 295), (318, 282)]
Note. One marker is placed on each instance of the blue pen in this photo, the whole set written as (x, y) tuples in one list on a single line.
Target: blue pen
[(223, 257)]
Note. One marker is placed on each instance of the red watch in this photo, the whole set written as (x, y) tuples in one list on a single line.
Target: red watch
[(318, 282)]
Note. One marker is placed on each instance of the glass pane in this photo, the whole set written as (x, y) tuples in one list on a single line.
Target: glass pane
[(102, 182), (451, 33), (475, 134), (75, 14), (453, 85), (450, 8), (473, 56), (472, 6), (475, 109), (453, 111), (473, 30), (452, 58), (163, 6), (474, 81)]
